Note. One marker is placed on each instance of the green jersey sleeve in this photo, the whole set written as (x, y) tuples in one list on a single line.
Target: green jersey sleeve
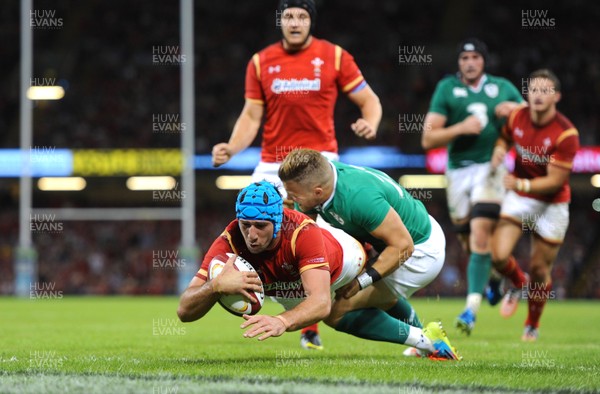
[(439, 104)]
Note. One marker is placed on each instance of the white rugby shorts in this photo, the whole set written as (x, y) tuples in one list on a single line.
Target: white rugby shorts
[(473, 184), (548, 220), (422, 267)]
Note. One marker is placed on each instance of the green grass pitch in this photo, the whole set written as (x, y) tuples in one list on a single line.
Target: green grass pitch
[(137, 345)]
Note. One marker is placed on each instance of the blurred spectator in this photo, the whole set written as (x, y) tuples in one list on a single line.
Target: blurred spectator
[(116, 87)]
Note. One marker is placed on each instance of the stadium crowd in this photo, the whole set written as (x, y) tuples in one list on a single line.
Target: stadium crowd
[(114, 86), (140, 258)]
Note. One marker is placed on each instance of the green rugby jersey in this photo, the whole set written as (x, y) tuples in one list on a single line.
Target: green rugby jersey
[(362, 199), (456, 101)]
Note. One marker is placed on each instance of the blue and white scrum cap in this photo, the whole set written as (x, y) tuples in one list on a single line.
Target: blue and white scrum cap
[(260, 201)]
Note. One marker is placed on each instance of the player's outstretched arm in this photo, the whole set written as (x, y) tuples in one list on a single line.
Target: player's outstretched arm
[(196, 300), (371, 112), (200, 296), (313, 309), (244, 132), (435, 135)]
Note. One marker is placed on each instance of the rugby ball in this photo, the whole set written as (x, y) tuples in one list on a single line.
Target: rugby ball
[(236, 303)]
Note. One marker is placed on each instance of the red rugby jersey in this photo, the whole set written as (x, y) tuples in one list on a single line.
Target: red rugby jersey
[(555, 143), (303, 246), (299, 91)]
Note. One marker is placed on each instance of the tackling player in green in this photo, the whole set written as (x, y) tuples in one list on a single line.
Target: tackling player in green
[(289, 251), (466, 114), (373, 208)]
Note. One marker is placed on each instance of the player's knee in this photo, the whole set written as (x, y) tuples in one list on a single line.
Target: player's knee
[(386, 305), (499, 255), (338, 309), (480, 239), (332, 320), (538, 272)]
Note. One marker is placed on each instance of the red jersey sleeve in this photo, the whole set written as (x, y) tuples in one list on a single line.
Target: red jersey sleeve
[(254, 90), (567, 145), (221, 245), (309, 248), (507, 129), (349, 76)]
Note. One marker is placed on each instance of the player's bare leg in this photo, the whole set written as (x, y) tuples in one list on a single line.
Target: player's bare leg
[(376, 296), (539, 289), (504, 240)]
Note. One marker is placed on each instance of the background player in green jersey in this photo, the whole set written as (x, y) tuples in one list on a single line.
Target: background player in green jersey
[(373, 208), (466, 114)]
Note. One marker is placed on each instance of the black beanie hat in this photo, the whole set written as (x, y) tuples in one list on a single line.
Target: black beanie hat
[(473, 44), (308, 5)]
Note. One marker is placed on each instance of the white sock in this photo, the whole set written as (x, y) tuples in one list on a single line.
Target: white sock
[(474, 302), (418, 340)]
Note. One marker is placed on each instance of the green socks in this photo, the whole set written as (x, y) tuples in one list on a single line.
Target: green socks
[(374, 324), (478, 272), (403, 311)]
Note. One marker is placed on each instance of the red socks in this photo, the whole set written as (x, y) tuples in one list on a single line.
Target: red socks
[(537, 295), (312, 327), (512, 271)]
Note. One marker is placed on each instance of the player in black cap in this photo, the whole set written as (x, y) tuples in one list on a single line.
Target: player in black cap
[(466, 114)]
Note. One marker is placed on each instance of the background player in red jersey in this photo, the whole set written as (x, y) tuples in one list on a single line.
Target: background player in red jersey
[(293, 84), (538, 195), (289, 251)]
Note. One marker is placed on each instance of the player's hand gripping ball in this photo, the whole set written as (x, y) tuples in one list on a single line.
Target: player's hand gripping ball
[(236, 303)]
